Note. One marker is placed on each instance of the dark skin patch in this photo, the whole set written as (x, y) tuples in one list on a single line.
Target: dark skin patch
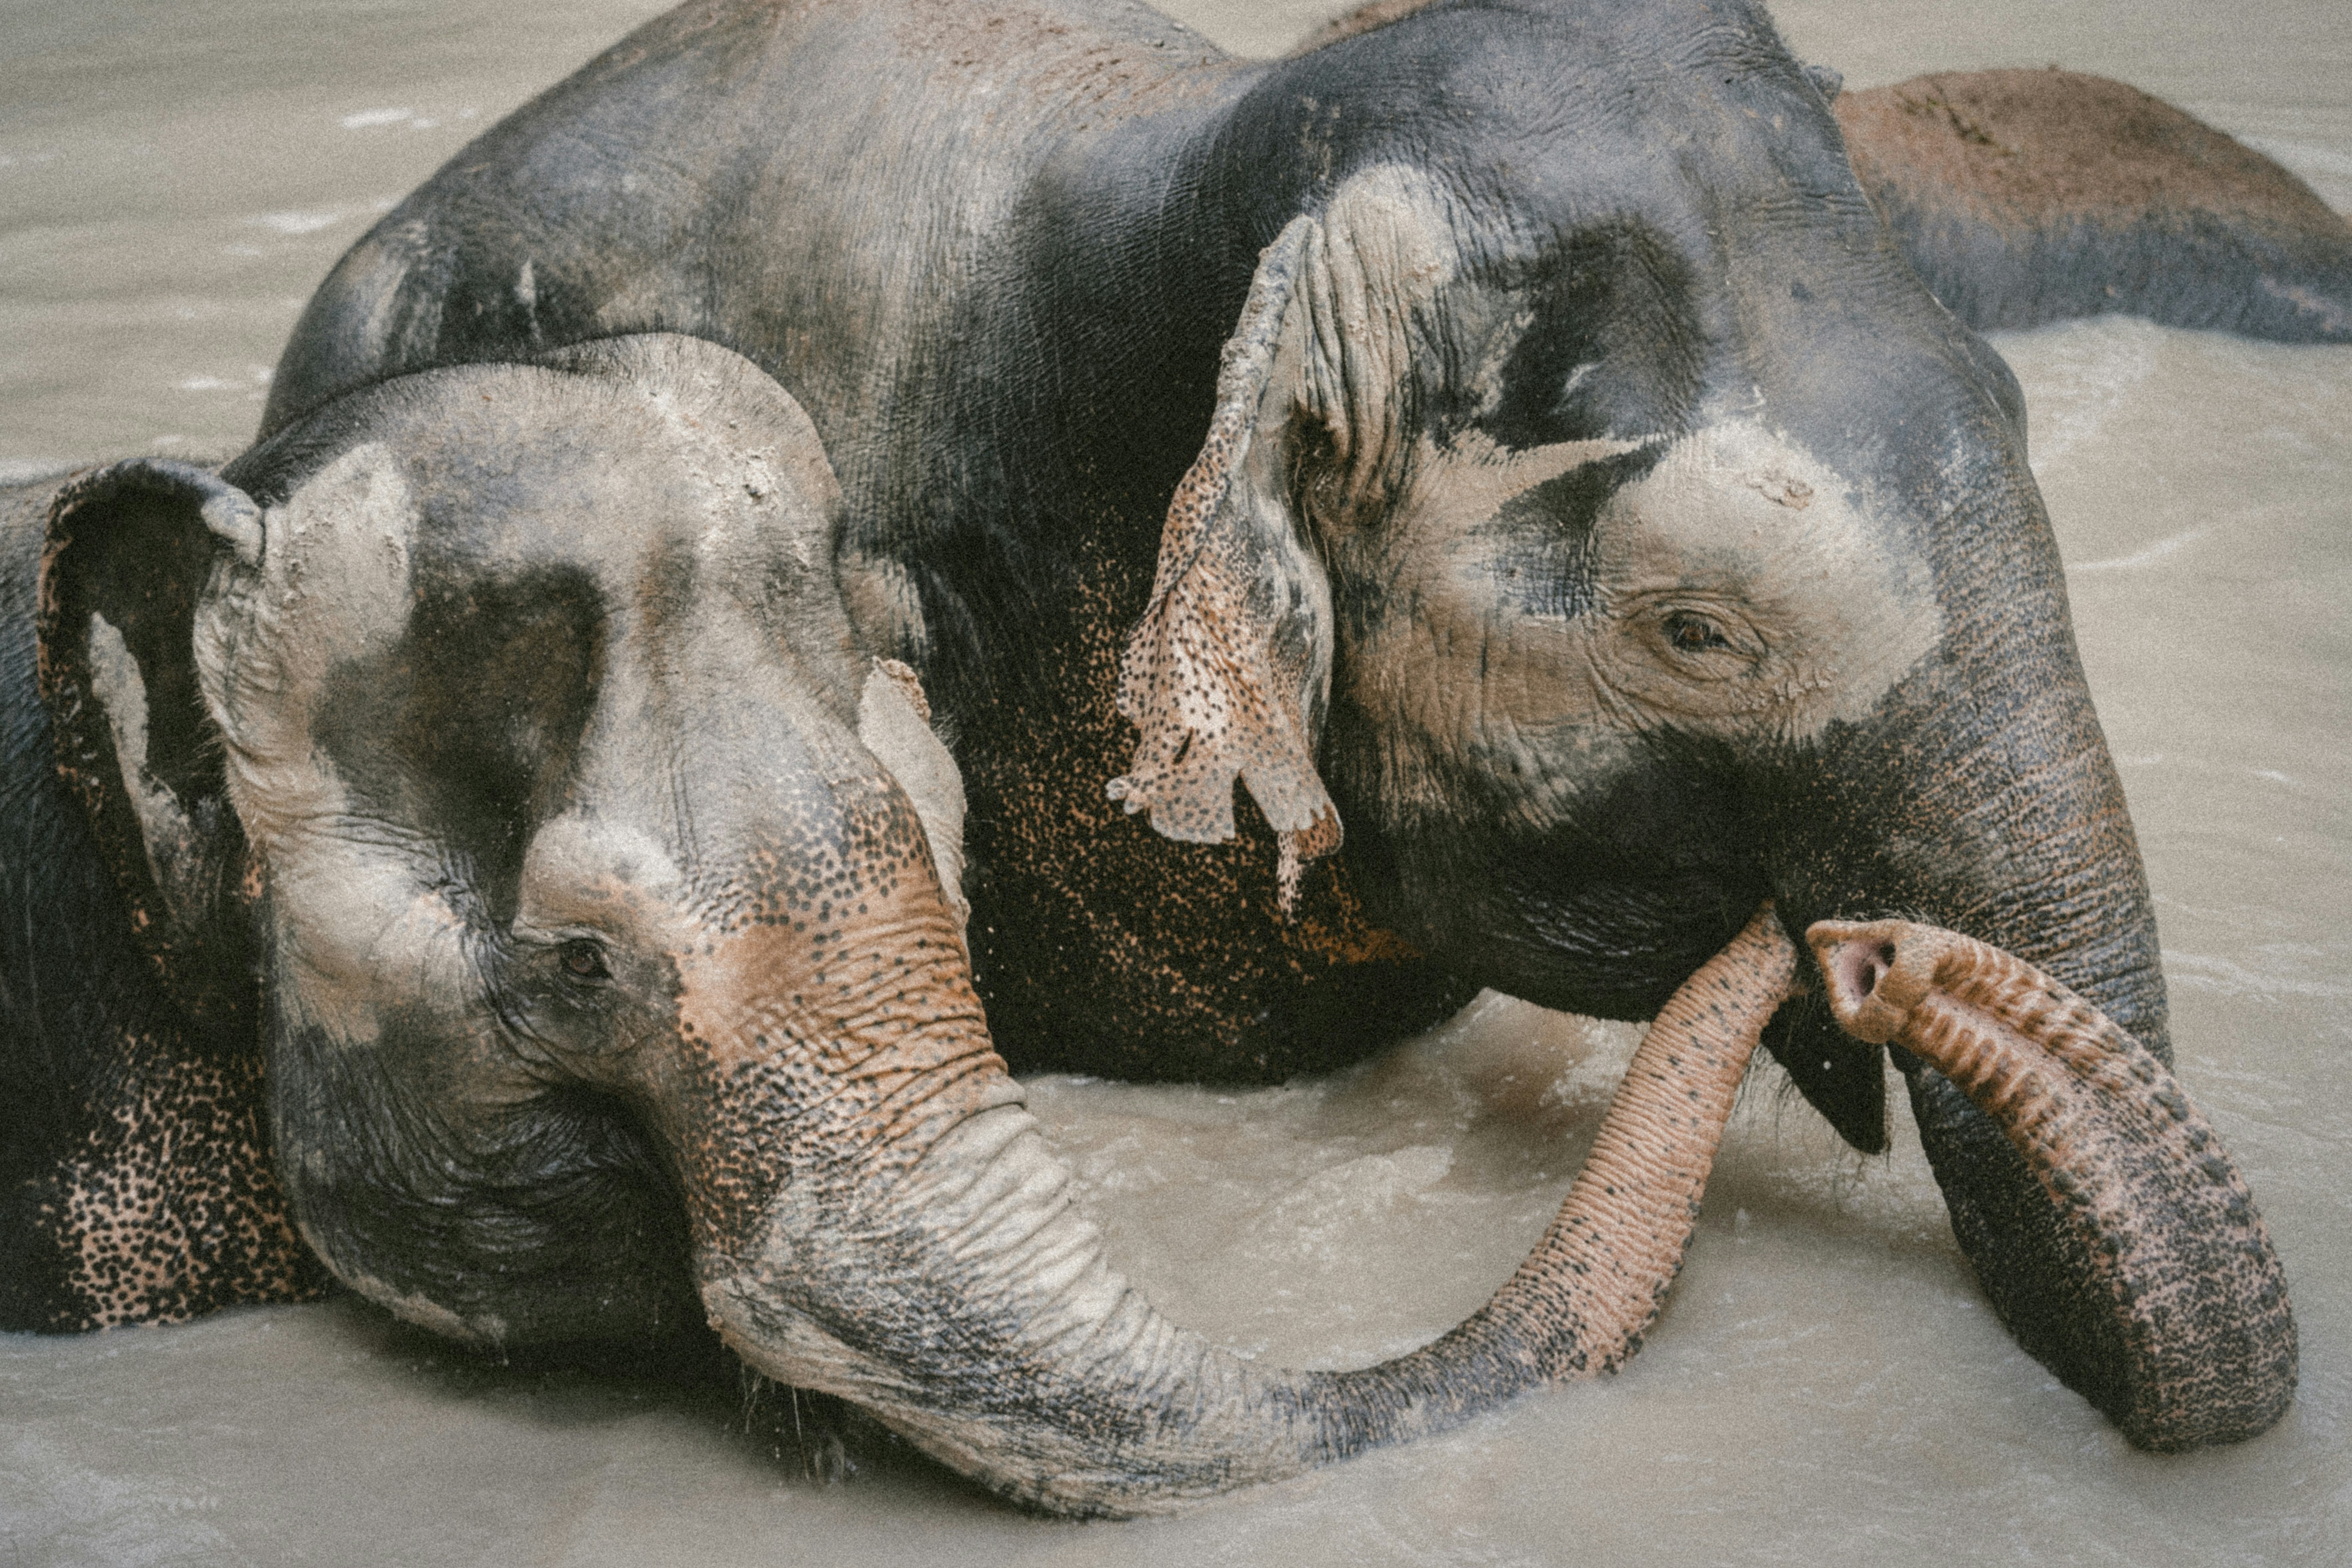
[(1548, 568), (471, 721), (1839, 1075), (1616, 347), (1615, 914), (132, 553)]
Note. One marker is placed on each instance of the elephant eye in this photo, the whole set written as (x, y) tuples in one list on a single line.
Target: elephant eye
[(584, 959), (1688, 633)]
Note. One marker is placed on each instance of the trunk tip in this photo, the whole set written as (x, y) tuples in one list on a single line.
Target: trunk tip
[(1875, 972)]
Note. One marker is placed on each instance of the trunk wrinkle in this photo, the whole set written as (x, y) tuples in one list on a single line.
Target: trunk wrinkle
[(968, 1305), (2201, 1334)]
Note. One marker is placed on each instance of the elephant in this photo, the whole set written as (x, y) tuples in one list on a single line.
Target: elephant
[(492, 757), (2023, 197), (1510, 433)]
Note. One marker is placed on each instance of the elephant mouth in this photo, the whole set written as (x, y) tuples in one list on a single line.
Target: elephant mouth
[(1842, 1077)]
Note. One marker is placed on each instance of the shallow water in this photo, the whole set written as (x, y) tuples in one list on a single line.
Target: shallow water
[(1826, 1385)]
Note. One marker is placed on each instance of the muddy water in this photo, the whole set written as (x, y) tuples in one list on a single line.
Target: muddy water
[(1827, 1386)]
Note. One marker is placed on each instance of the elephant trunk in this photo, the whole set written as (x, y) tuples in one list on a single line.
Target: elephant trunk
[(2056, 880), (949, 1286), (1980, 794), (2202, 1343)]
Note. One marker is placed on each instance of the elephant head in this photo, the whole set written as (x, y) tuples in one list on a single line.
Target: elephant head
[(1602, 525), (506, 722)]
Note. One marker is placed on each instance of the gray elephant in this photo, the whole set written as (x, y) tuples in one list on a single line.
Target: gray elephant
[(2023, 197), (487, 764), (1575, 494)]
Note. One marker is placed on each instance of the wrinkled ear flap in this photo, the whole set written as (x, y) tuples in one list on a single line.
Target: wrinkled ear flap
[(1228, 672), (129, 550)]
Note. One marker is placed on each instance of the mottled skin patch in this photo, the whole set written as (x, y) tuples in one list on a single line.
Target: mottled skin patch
[(171, 1207), (1198, 678), (852, 1067), (1208, 977)]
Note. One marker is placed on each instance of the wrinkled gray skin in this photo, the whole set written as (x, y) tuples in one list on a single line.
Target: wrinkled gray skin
[(1597, 519), (600, 888)]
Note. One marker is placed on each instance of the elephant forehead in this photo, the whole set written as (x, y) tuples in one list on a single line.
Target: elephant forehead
[(1473, 482), (480, 566), (494, 469)]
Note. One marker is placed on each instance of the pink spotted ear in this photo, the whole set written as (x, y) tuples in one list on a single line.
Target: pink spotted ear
[(1227, 674)]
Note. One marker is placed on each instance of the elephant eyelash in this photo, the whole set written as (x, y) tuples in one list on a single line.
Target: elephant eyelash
[(583, 960), (1688, 633)]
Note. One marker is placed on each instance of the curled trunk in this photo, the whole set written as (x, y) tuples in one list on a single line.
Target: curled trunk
[(2201, 1340), (971, 1307)]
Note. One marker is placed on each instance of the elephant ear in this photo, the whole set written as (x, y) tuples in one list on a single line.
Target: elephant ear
[(1228, 672), (129, 552)]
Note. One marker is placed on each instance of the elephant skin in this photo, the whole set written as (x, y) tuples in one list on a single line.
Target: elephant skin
[(1506, 441), (2024, 196), (502, 807)]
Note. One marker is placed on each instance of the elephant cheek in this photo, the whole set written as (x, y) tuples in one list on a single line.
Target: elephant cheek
[(1841, 1077)]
